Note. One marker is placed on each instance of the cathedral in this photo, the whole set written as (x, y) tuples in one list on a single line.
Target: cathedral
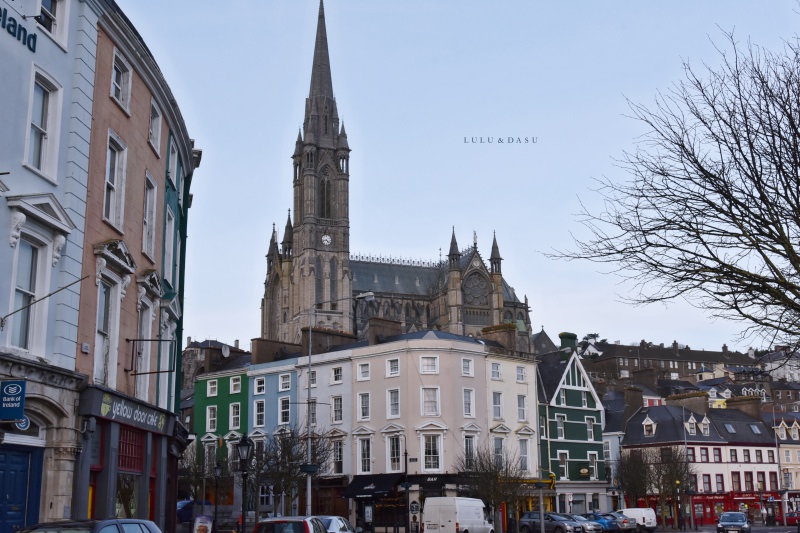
[(312, 279)]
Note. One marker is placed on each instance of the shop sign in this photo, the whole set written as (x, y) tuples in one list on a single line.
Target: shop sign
[(12, 400), (123, 411)]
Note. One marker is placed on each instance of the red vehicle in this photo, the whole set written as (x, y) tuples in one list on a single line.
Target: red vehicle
[(791, 518)]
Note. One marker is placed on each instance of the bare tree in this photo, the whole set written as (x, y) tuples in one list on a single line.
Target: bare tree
[(711, 211), (493, 477), (276, 462), (633, 473), (193, 469), (669, 473)]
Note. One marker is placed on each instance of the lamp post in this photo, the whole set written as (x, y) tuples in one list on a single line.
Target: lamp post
[(217, 474), (244, 449), (406, 484), (781, 490), (310, 468), (692, 523), (678, 503), (540, 485)]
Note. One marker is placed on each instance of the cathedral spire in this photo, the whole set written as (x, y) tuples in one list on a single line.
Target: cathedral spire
[(495, 258), (454, 256), (321, 84), (288, 235)]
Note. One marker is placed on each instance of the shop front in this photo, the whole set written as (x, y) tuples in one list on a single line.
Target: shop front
[(127, 467), (379, 506)]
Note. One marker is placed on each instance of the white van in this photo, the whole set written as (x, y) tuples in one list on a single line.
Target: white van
[(451, 514), (645, 518)]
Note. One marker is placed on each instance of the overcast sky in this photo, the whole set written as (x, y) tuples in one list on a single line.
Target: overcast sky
[(415, 81)]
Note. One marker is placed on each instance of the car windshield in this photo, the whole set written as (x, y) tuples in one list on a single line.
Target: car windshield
[(732, 517), (326, 522), (558, 517), (579, 518), (183, 503)]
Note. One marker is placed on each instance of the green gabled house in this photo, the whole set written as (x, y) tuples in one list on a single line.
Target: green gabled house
[(221, 415), (571, 420)]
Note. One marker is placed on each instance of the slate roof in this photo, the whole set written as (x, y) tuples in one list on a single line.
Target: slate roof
[(668, 387), (542, 343), (234, 362), (614, 405), (779, 356), (551, 368), (214, 345), (415, 335), (412, 278), (669, 353), (713, 382), (669, 427), (785, 385), (741, 423)]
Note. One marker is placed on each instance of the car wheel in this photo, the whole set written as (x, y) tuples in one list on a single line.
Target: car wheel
[(558, 530), (524, 529)]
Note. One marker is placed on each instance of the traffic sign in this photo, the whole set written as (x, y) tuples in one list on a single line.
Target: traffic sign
[(414, 507)]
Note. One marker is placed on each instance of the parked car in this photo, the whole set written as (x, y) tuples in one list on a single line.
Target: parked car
[(589, 526), (733, 522), (336, 524), (645, 518), (120, 525), (189, 509), (553, 523), (792, 518), (608, 522), (290, 524), (626, 523)]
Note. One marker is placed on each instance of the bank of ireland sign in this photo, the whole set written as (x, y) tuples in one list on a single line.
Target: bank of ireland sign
[(12, 400)]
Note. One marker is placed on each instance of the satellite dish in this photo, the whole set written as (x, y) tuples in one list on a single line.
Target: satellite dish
[(226, 350)]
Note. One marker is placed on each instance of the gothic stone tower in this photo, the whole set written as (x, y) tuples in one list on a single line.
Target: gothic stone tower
[(311, 268)]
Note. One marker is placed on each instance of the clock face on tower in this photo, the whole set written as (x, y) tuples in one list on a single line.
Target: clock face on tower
[(327, 240)]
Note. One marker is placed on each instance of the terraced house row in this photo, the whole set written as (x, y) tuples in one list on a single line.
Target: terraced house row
[(414, 408), (96, 165)]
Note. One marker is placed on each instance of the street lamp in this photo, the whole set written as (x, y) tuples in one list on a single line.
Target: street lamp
[(781, 490), (217, 474), (309, 468), (244, 449), (678, 503), (406, 484), (540, 485), (692, 522)]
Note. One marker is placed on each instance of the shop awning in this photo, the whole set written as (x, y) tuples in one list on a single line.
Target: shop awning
[(371, 486)]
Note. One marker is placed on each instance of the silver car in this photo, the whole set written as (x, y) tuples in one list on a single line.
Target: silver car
[(589, 526)]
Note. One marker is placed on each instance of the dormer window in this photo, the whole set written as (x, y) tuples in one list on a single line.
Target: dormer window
[(649, 427), (794, 432), (705, 427), (692, 426)]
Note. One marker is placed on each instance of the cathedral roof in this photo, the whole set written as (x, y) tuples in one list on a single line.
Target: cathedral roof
[(413, 279), (385, 277)]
